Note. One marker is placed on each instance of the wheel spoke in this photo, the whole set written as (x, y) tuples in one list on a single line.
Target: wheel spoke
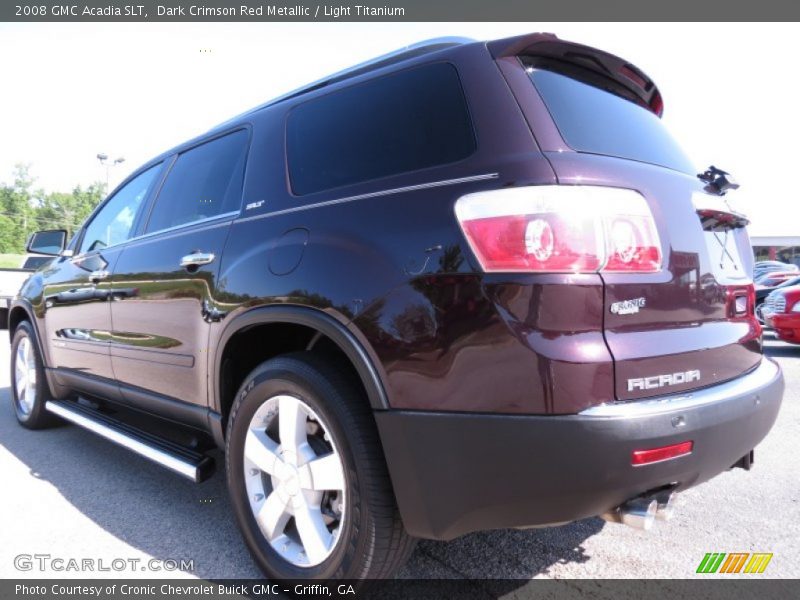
[(21, 360), (326, 473), (314, 534), (261, 450), (272, 517), (21, 375), (291, 424)]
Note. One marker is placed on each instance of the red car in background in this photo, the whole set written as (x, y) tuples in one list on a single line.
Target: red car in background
[(782, 313)]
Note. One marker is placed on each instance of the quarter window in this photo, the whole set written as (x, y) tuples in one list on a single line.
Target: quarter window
[(403, 122), (204, 182), (113, 224)]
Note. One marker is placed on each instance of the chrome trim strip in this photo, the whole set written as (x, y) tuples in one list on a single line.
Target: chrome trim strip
[(173, 463), (227, 215), (748, 384), (400, 190), (223, 216)]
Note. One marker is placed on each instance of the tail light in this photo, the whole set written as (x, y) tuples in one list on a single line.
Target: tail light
[(552, 229)]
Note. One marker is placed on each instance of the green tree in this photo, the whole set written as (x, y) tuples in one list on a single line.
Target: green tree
[(23, 211), (59, 210), (16, 206)]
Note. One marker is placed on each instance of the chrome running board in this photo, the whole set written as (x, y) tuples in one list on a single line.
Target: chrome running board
[(179, 459)]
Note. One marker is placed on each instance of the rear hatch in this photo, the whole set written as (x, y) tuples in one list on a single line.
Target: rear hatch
[(690, 323)]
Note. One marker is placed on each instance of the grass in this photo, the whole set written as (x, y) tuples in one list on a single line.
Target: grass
[(11, 261)]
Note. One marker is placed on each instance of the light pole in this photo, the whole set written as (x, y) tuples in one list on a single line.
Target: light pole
[(103, 158)]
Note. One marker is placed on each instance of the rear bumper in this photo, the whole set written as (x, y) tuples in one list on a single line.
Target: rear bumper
[(454, 473), (786, 326)]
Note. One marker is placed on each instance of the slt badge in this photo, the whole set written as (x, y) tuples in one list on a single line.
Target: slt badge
[(628, 307)]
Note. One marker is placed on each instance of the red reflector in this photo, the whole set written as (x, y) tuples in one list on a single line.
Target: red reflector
[(653, 455)]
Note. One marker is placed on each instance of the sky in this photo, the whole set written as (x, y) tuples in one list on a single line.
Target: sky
[(73, 90)]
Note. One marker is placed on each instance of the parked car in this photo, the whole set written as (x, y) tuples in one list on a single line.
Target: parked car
[(762, 292), (11, 280), (773, 278), (767, 266), (413, 300), (782, 313)]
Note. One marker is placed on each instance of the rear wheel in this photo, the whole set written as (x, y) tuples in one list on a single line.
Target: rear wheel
[(307, 476), (29, 391)]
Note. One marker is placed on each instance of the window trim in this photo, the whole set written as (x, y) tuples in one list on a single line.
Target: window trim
[(231, 215), (370, 78), (142, 226)]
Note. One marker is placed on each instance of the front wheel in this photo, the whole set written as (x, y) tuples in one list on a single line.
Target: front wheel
[(29, 391), (307, 476)]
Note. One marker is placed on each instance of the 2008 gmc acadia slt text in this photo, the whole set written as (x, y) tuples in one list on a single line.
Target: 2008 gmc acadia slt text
[(464, 286)]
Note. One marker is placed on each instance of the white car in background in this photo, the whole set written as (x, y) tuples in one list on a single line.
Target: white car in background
[(12, 279)]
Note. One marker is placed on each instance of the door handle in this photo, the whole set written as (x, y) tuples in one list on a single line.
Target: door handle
[(96, 276), (196, 259)]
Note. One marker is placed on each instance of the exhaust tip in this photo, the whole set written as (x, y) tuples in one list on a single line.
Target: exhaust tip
[(639, 513), (666, 506)]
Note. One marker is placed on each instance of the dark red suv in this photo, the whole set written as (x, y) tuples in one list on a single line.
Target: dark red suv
[(464, 286)]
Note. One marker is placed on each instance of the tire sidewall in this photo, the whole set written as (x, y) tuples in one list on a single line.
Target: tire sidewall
[(258, 388), (37, 413)]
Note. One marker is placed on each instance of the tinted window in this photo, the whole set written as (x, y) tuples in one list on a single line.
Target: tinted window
[(593, 120), (113, 224), (34, 262), (398, 123), (204, 182)]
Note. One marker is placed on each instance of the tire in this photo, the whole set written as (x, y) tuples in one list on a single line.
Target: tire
[(29, 390), (357, 530)]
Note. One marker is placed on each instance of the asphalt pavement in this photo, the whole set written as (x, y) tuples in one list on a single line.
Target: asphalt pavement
[(68, 494)]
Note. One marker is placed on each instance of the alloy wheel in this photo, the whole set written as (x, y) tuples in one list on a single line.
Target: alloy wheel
[(295, 481), (25, 375)]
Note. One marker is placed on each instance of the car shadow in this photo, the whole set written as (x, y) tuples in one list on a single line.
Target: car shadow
[(167, 517)]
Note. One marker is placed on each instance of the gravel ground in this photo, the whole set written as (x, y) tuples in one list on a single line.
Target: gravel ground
[(70, 494)]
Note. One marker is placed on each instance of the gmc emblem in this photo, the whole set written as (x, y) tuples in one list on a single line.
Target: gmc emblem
[(659, 381)]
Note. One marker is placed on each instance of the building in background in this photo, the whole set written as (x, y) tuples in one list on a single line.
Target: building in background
[(785, 248)]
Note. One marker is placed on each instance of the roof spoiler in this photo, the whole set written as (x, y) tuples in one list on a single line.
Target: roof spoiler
[(547, 45)]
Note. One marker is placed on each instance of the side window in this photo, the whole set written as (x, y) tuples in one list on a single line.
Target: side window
[(204, 182), (113, 224), (402, 122)]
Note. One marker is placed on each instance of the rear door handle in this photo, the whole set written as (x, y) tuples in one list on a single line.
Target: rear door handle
[(196, 259), (96, 276)]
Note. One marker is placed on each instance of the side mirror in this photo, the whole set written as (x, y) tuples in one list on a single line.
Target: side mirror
[(50, 242)]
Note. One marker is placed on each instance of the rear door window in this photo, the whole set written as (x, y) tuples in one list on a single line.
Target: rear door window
[(399, 123), (204, 182), (591, 119)]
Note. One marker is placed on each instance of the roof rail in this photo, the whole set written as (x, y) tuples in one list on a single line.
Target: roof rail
[(411, 51), (399, 55)]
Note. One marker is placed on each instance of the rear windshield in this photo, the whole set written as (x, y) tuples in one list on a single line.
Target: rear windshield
[(594, 120)]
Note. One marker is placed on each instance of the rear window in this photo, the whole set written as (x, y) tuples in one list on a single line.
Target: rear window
[(597, 121), (403, 122)]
